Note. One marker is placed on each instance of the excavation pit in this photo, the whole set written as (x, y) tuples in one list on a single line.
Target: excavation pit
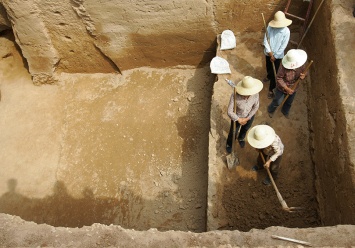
[(146, 149), (129, 150), (237, 197)]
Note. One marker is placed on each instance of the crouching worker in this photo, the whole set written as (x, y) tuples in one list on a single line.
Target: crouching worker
[(266, 141)]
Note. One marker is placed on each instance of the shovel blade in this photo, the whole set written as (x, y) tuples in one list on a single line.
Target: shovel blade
[(232, 161)]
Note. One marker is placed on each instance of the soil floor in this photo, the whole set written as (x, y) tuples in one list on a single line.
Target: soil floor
[(239, 199), (132, 150), (128, 149)]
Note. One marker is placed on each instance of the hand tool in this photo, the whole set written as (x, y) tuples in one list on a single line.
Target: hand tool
[(281, 200)]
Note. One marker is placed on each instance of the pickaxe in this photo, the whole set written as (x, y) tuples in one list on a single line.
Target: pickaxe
[(281, 200)]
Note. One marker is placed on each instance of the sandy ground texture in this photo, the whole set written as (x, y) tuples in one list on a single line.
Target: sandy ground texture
[(125, 149), (15, 232), (237, 198)]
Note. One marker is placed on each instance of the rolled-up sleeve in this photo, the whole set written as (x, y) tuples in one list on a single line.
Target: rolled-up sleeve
[(278, 148)]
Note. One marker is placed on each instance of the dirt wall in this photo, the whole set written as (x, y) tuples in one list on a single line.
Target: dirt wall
[(90, 37), (15, 232), (330, 42)]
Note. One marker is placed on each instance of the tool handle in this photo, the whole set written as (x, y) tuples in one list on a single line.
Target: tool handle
[(304, 34), (268, 41), (235, 111), (291, 240), (304, 72), (281, 200), (297, 82)]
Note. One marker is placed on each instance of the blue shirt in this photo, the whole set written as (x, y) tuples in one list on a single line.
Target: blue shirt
[(279, 38)]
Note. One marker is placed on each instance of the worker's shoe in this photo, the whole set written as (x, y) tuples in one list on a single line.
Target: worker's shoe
[(270, 95), (265, 80), (228, 149), (286, 115), (256, 168), (241, 143), (267, 181), (270, 114)]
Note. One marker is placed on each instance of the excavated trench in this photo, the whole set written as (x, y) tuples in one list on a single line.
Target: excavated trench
[(145, 149), (136, 154)]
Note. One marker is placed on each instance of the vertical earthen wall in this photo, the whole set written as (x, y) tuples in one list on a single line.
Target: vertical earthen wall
[(330, 42)]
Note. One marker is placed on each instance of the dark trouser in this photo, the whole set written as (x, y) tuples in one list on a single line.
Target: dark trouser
[(243, 131), (270, 71), (278, 98), (274, 166)]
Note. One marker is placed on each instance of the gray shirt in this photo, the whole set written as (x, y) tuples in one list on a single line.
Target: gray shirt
[(246, 108)]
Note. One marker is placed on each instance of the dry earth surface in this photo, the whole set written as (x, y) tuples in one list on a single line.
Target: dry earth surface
[(240, 200), (50, 177), (90, 149), (125, 149), (15, 232)]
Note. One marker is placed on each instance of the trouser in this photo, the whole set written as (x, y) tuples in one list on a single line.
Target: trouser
[(243, 131), (270, 71), (274, 166), (278, 98)]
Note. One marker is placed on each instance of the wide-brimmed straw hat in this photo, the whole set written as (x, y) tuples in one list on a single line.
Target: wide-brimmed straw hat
[(261, 136), (280, 20), (294, 58), (249, 86)]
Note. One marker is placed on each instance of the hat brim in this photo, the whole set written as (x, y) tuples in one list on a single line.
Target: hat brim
[(302, 58), (250, 91), (280, 24), (270, 136)]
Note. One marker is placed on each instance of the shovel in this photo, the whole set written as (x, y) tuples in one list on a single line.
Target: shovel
[(232, 158), (281, 200)]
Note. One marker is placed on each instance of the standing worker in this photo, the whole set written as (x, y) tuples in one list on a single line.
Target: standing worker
[(291, 69), (268, 143), (279, 35), (247, 99)]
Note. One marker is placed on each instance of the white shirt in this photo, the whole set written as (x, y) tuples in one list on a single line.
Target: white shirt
[(275, 150)]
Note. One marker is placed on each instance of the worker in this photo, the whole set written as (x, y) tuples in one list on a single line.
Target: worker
[(269, 144), (291, 69), (279, 36), (247, 101)]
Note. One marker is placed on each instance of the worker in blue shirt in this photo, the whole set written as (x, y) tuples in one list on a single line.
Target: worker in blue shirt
[(279, 36)]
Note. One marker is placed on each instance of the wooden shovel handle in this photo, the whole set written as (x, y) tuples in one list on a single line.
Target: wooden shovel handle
[(297, 82), (279, 197), (304, 72), (234, 123), (268, 41)]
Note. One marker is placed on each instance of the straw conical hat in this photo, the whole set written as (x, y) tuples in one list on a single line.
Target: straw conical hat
[(280, 20), (261, 136), (294, 58), (249, 86)]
